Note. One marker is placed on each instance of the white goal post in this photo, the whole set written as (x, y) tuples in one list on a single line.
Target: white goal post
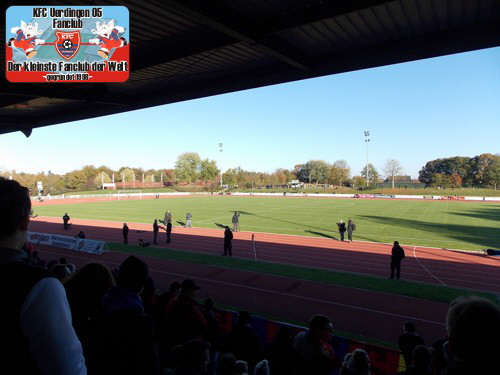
[(129, 194)]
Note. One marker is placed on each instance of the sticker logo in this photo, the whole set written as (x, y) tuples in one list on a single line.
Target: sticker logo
[(59, 44), (67, 43)]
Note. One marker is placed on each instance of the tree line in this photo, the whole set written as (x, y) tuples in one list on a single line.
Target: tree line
[(190, 168), (481, 170)]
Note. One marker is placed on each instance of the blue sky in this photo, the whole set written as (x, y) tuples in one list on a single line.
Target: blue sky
[(415, 112)]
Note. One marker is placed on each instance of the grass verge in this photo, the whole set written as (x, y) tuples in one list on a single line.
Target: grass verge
[(405, 288)]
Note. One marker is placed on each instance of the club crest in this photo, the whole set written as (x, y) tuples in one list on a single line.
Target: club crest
[(67, 43)]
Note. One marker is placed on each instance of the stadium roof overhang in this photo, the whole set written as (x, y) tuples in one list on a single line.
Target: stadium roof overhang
[(187, 49)]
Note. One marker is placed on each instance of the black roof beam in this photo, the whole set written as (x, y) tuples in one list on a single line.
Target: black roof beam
[(224, 20)]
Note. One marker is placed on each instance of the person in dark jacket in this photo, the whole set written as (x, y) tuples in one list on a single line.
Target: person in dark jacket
[(408, 340), (213, 333), (244, 342), (397, 256), (125, 340), (236, 221), (168, 230), (282, 357), (125, 233), (342, 229), (351, 227), (66, 221), (228, 237), (156, 229), (421, 362)]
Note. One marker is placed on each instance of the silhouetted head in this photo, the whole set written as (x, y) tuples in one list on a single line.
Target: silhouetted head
[(321, 326), (132, 274), (175, 287), (474, 327), (15, 208), (189, 287), (421, 356)]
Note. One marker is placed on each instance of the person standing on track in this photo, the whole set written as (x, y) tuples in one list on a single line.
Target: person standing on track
[(235, 221), (168, 217), (168, 228), (351, 227), (397, 256), (125, 233), (188, 220), (228, 247), (156, 229), (66, 221), (342, 229)]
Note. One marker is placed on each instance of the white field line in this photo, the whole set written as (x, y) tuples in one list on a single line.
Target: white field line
[(196, 277), (421, 265)]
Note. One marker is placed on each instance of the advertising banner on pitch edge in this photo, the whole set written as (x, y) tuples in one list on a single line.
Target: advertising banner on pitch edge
[(67, 44)]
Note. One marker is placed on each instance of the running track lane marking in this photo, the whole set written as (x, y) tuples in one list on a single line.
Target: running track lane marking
[(286, 295), (421, 265)]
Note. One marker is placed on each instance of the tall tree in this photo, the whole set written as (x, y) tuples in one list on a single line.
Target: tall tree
[(492, 173), (358, 181), (319, 171), (302, 172), (372, 174), (229, 177), (480, 166), (281, 176), (208, 170), (75, 180), (101, 178), (187, 167), (339, 172), (392, 168)]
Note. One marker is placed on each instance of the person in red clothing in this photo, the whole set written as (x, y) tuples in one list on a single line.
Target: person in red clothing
[(184, 320)]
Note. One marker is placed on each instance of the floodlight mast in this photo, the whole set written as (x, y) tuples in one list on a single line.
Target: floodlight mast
[(367, 140), (220, 149)]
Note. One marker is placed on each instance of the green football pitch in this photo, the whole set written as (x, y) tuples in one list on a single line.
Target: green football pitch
[(443, 224)]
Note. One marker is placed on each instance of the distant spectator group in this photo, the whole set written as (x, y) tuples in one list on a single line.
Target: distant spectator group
[(60, 320)]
